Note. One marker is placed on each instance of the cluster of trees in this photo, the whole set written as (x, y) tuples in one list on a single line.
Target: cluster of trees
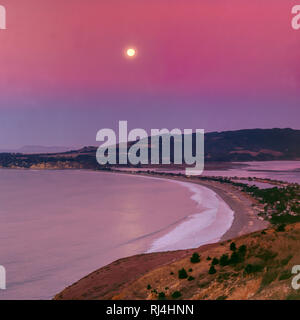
[(237, 256)]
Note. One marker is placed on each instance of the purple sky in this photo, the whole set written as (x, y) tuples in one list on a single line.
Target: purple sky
[(200, 64)]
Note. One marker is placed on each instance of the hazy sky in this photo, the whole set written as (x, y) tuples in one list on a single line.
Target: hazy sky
[(212, 64)]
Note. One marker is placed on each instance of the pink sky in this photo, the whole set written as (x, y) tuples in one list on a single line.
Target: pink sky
[(191, 46), (55, 52)]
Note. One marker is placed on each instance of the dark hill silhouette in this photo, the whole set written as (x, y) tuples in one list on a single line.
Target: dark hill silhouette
[(227, 146)]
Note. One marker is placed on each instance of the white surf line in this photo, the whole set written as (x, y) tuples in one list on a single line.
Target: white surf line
[(203, 227)]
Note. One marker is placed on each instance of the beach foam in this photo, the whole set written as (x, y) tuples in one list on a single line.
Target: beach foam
[(206, 226)]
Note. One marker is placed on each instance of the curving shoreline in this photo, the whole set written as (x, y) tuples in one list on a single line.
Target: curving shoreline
[(211, 219), (244, 207), (112, 277)]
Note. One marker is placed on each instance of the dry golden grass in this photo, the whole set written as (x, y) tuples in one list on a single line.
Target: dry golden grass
[(275, 252), (145, 276)]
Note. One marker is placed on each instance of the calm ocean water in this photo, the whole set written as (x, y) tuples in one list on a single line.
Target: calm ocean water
[(288, 171), (57, 226)]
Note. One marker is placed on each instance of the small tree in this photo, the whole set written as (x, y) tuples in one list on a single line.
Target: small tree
[(239, 255), (242, 250), (176, 294), (215, 261), (224, 260), (182, 274), (281, 228), (161, 296), (232, 246), (235, 258), (250, 268), (212, 270), (195, 258)]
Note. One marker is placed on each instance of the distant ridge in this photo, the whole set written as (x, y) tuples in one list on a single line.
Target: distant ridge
[(247, 145), (36, 149), (227, 146), (253, 145)]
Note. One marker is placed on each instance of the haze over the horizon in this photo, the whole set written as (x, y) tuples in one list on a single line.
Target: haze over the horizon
[(199, 64)]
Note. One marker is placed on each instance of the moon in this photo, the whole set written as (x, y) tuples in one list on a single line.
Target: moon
[(131, 52)]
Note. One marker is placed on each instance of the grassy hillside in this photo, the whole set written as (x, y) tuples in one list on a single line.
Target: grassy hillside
[(256, 266)]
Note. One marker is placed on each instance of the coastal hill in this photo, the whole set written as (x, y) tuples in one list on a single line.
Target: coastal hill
[(252, 260), (253, 266), (253, 145), (227, 146)]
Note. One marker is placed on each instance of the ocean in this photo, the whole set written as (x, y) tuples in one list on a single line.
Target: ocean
[(287, 171), (57, 226)]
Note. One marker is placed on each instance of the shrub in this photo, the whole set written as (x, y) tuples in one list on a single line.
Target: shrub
[(182, 274), (171, 273), (232, 246), (195, 258), (208, 258), (266, 255), (286, 274), (285, 261), (190, 278), (176, 294), (204, 284), (222, 298), (281, 228), (268, 278), (293, 296), (252, 268), (161, 296), (212, 270), (148, 287), (285, 219), (242, 250), (214, 261), (238, 256), (224, 260), (235, 258), (190, 270), (223, 276)]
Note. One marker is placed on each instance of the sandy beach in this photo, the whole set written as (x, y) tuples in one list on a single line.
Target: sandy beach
[(106, 282), (246, 218)]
